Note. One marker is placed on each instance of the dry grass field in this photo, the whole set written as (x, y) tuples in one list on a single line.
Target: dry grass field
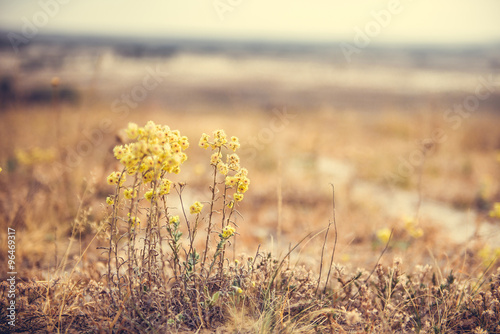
[(354, 220)]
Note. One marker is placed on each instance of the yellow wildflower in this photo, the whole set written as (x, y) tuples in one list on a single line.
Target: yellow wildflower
[(176, 170), (488, 255), (220, 138), (114, 177), (242, 187), (147, 177), (182, 157), (184, 142), (234, 144), (149, 195), (134, 221), (119, 151), (132, 170), (132, 131), (196, 208), (242, 172), (233, 158), (176, 147), (150, 127), (155, 149), (238, 197), (174, 220), (171, 162), (384, 234), (110, 200), (495, 212), (203, 143), (228, 232), (165, 186), (129, 193), (412, 228), (223, 168), (215, 158), (231, 181), (237, 290)]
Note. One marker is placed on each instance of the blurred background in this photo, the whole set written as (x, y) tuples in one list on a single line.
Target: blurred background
[(395, 102)]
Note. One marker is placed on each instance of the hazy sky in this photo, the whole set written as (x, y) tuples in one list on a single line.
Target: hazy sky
[(412, 21)]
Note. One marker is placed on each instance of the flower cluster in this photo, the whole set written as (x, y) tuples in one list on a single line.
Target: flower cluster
[(115, 178), (239, 181), (220, 139), (196, 208), (157, 150), (228, 232)]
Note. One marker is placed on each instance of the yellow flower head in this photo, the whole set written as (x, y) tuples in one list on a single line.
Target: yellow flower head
[(134, 221), (234, 144), (176, 147), (150, 127), (110, 200), (228, 232), (184, 142), (119, 151), (215, 158), (242, 188), (495, 212), (242, 172), (149, 195), (182, 157), (233, 159), (174, 220), (171, 162), (148, 177), (412, 228), (165, 187), (223, 168), (231, 181), (238, 197), (203, 143), (384, 234), (132, 131), (129, 193), (196, 208), (220, 138), (176, 170), (116, 177)]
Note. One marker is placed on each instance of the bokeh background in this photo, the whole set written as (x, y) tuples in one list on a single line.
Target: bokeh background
[(395, 103)]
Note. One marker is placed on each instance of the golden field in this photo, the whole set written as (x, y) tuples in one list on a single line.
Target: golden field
[(411, 226)]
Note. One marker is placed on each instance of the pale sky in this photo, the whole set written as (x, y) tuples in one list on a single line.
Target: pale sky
[(413, 21)]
